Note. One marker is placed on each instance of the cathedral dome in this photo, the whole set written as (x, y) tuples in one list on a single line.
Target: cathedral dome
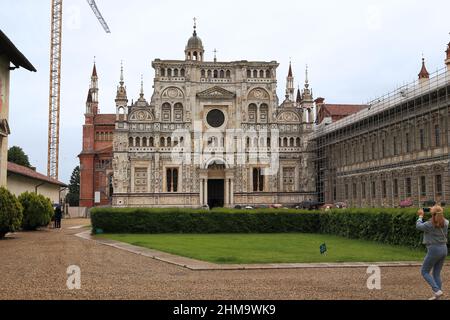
[(194, 42), (194, 47)]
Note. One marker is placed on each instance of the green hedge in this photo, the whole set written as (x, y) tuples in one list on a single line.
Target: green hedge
[(392, 226)]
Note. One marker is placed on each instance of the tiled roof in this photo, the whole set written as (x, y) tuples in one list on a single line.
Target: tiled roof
[(342, 109), (30, 173), (14, 55)]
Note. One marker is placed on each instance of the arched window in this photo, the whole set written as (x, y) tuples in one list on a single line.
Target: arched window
[(268, 142), (144, 142), (175, 72), (138, 142), (163, 72), (195, 56), (209, 73), (203, 73), (228, 74), (252, 112), (222, 74), (130, 142), (255, 73), (166, 114), (169, 142), (111, 186), (215, 74), (169, 72), (182, 72), (264, 113), (297, 143), (248, 142), (151, 142), (249, 73), (285, 142), (291, 142), (268, 74), (255, 142), (178, 112), (261, 73), (182, 141), (162, 142)]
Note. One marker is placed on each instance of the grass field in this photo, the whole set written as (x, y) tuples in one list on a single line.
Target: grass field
[(269, 248)]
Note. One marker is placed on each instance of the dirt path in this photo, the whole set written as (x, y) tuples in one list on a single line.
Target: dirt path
[(33, 266)]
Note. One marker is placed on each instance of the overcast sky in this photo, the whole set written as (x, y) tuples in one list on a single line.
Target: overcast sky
[(356, 51)]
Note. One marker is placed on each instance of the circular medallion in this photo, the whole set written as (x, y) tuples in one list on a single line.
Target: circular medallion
[(215, 118)]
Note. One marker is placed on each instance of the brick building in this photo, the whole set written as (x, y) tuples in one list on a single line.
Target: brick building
[(95, 158)]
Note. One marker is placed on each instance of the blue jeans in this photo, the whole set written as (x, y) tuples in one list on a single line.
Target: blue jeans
[(435, 258)]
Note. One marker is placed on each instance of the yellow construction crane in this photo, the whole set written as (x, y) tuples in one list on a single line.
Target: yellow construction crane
[(55, 82)]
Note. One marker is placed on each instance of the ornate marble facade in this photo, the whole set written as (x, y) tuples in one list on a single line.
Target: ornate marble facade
[(213, 133)]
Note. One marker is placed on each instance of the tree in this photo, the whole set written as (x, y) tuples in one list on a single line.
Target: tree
[(18, 156), (37, 210), (10, 212), (73, 197)]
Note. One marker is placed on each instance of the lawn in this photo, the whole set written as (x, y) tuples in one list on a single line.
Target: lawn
[(269, 248)]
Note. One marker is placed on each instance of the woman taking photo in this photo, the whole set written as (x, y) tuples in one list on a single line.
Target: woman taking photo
[(435, 233)]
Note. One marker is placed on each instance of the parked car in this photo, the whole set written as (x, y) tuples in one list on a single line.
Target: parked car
[(340, 205), (309, 205)]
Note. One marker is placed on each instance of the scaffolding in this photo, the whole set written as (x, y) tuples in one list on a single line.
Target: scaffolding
[(408, 104)]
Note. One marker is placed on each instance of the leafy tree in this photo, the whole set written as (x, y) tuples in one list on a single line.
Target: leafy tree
[(10, 212), (18, 156), (73, 197), (37, 210)]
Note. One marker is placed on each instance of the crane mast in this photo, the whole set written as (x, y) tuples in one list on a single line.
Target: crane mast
[(55, 82), (55, 89)]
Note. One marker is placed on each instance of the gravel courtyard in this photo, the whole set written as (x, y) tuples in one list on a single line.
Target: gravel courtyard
[(33, 266)]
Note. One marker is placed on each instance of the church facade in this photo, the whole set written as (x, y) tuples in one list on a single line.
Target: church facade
[(213, 134)]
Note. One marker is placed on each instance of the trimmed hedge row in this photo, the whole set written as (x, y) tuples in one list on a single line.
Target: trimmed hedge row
[(391, 226), (202, 221)]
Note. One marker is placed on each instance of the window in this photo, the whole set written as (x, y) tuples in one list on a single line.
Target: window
[(140, 180), (374, 191), (334, 190), (363, 190), (422, 139), (423, 186), (395, 188), (438, 181), (395, 146), (203, 73), (346, 191), (408, 187), (163, 72), (249, 74), (228, 74), (437, 136), (172, 179), (408, 146), (384, 188), (215, 118), (166, 115), (258, 180), (255, 73), (267, 74), (383, 149), (355, 193), (289, 179), (373, 151)]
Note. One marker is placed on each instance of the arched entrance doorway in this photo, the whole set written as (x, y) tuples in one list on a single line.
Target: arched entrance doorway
[(216, 184)]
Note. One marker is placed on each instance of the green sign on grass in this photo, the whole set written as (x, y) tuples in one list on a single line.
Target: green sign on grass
[(323, 248)]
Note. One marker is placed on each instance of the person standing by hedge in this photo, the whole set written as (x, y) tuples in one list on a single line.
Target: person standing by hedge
[(58, 216), (435, 234)]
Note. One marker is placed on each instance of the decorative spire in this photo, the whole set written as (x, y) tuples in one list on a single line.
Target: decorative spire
[(423, 72), (306, 78), (94, 70), (142, 86), (121, 73), (215, 55), (299, 95), (290, 84), (195, 27)]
